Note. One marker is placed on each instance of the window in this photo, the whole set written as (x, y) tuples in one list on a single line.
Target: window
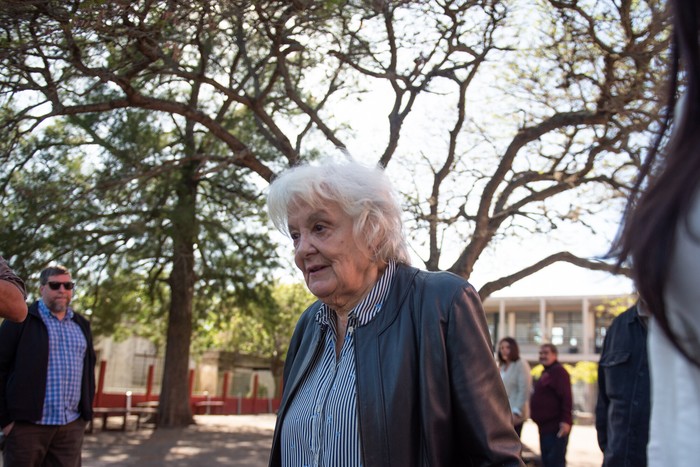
[(602, 323), (527, 328), (567, 331), (240, 384)]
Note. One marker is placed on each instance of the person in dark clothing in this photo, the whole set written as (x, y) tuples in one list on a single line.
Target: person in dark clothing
[(47, 378), (551, 408), (623, 407), (12, 294)]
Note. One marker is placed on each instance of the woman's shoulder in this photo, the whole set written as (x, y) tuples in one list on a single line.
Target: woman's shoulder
[(438, 278), (440, 292), (523, 364)]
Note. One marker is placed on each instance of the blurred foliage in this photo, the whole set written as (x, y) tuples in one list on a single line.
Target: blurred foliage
[(583, 371)]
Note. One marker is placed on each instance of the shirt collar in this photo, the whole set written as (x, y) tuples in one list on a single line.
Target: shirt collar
[(368, 306), (46, 313)]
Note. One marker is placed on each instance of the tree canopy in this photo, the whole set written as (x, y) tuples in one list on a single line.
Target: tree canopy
[(137, 138)]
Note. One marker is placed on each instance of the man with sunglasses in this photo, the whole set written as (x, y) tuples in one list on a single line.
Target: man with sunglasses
[(12, 294), (47, 378)]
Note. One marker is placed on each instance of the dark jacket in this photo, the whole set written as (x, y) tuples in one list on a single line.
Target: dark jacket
[(551, 402), (24, 360), (428, 389), (623, 407)]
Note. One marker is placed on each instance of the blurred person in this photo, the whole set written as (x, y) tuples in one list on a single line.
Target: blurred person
[(515, 373), (660, 235), (47, 378), (13, 296), (392, 366), (551, 407), (623, 406)]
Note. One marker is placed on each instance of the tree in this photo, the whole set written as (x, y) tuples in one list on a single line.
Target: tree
[(580, 98), (243, 89), (161, 190), (125, 222), (264, 328)]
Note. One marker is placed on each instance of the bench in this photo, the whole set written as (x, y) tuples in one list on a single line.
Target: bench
[(105, 412), (152, 404), (149, 414), (206, 407)]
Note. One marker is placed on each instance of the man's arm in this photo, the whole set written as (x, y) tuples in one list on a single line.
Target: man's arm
[(601, 407), (12, 294), (567, 400)]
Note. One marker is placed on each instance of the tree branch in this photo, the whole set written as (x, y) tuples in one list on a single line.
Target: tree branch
[(595, 265)]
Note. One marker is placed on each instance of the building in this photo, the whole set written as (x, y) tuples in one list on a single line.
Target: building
[(575, 324)]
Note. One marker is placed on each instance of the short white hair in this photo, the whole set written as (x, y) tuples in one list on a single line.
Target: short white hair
[(364, 193)]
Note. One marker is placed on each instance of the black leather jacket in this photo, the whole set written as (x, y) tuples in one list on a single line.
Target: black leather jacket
[(428, 389)]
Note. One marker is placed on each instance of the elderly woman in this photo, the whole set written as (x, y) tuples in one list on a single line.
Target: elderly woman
[(392, 366), (516, 377)]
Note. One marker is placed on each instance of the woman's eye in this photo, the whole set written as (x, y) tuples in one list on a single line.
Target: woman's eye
[(318, 228)]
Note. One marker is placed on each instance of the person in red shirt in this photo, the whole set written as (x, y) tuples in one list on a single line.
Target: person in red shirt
[(551, 408)]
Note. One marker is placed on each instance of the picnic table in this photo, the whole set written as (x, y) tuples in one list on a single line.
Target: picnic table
[(142, 414)]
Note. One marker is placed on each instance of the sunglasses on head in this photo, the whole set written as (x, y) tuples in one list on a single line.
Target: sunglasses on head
[(57, 285)]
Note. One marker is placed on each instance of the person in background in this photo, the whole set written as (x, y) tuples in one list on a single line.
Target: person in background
[(13, 296), (623, 407), (551, 407), (47, 378), (392, 366), (515, 373), (660, 235)]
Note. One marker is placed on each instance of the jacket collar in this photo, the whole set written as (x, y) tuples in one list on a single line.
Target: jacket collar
[(312, 338), (398, 291)]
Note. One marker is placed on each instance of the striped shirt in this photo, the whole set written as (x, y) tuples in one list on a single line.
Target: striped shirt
[(321, 424), (67, 347)]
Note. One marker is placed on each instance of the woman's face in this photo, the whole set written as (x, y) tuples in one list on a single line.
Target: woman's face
[(336, 268), (504, 348)]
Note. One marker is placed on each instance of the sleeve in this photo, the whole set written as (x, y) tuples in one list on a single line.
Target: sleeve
[(601, 407), (8, 275), (9, 333), (526, 385), (523, 388), (480, 403), (566, 397)]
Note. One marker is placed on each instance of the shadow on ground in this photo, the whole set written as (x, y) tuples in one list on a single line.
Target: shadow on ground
[(203, 445), (245, 440)]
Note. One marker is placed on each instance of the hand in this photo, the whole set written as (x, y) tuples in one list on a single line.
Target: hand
[(564, 429)]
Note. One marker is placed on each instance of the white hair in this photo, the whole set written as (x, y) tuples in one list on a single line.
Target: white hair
[(363, 193)]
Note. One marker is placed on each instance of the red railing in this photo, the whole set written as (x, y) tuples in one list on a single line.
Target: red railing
[(200, 403)]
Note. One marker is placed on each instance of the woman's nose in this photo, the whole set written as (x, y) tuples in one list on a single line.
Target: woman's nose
[(303, 245)]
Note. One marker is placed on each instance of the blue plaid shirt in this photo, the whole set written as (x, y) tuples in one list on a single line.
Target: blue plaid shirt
[(67, 347)]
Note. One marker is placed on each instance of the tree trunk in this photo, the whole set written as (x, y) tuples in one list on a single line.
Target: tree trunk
[(277, 370), (174, 408)]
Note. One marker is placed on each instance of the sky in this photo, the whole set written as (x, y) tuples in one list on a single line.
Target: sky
[(368, 120)]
